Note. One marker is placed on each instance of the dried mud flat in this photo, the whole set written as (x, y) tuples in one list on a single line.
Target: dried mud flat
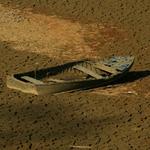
[(50, 32)]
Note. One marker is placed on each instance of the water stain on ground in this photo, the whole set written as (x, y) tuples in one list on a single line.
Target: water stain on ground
[(74, 40), (90, 27)]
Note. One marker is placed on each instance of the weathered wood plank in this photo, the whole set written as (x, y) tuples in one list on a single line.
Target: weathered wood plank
[(32, 80), (56, 80), (105, 68), (87, 71)]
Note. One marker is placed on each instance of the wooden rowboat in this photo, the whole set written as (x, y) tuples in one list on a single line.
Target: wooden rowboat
[(71, 76)]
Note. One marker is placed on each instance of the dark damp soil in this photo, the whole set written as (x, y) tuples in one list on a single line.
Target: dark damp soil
[(112, 118)]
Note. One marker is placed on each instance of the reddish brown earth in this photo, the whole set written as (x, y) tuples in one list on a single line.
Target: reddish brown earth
[(51, 32)]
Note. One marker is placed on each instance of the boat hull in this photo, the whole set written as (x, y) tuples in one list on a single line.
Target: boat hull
[(15, 82)]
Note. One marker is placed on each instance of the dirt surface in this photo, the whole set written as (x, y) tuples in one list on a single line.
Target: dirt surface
[(50, 32)]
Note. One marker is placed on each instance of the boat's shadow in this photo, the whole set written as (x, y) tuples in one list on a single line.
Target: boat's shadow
[(129, 77), (133, 76)]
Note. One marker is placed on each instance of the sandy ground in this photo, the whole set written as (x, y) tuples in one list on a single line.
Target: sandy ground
[(51, 32)]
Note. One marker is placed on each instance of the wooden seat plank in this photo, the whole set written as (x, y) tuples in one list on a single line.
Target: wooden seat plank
[(32, 80), (56, 80), (105, 68), (88, 71)]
